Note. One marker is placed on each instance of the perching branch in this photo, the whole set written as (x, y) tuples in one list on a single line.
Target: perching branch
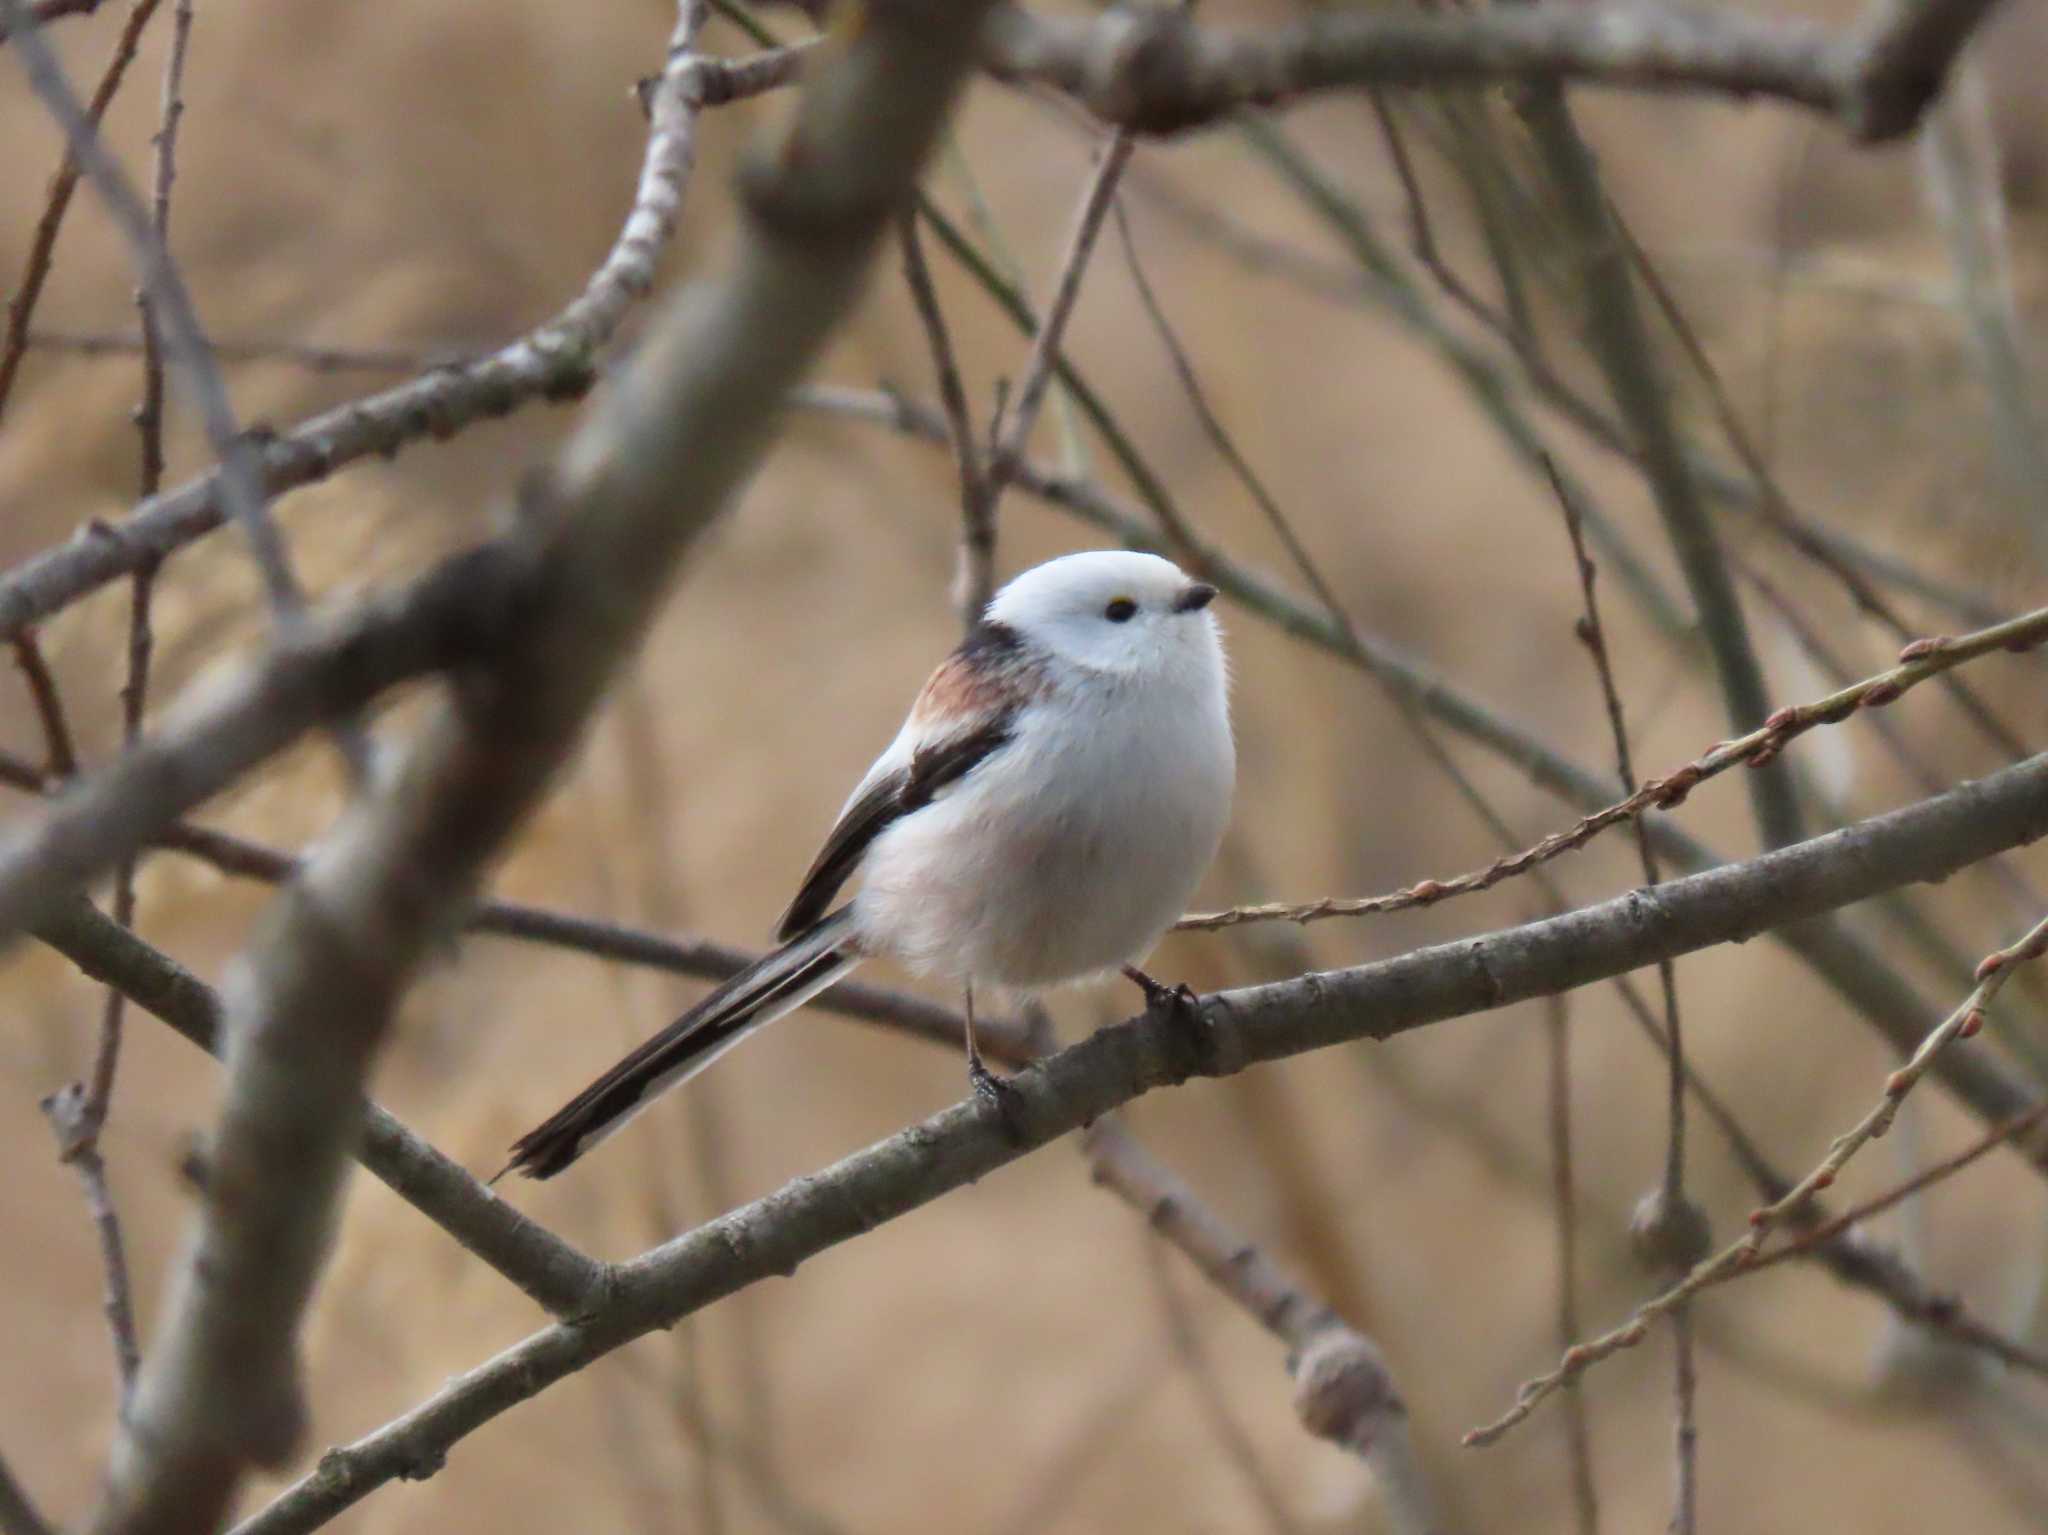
[(1232, 1030)]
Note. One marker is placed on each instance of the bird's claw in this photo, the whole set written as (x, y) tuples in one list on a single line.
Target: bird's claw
[(997, 1093), (1178, 1007)]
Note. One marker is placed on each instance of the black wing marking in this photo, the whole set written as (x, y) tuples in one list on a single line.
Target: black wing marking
[(886, 800)]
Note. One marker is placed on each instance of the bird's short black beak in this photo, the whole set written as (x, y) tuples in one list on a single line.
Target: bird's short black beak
[(1197, 597)]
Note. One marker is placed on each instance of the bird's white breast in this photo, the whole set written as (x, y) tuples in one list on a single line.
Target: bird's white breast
[(1068, 852)]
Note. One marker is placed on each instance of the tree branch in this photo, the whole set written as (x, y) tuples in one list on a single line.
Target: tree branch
[(457, 612), (1344, 1391), (1234, 1029), (553, 1274), (557, 361), (1152, 70)]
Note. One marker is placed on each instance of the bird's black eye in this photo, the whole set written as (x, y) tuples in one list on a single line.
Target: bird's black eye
[(1121, 610)]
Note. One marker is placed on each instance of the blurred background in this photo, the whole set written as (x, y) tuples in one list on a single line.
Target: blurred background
[(1019, 1356)]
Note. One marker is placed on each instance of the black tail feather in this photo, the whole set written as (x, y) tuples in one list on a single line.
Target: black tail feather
[(772, 986)]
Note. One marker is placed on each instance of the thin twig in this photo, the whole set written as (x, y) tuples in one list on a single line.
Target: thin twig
[(1577, 1426), (60, 754), (1011, 430), (555, 361), (149, 416), (1620, 343), (975, 583), (1740, 1256), (1671, 1221), (300, 354), (1917, 662), (241, 484), (28, 290), (1823, 1232)]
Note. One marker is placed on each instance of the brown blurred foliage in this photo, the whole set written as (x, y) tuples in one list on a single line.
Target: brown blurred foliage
[(443, 176)]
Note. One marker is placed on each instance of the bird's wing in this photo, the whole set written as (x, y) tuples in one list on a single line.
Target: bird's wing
[(966, 712), (883, 799)]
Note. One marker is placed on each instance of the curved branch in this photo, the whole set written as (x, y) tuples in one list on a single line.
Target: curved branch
[(1230, 1031)]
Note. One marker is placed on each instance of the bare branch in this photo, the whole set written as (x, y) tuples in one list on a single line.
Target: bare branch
[(60, 753), (556, 361), (21, 306), (241, 487), (1917, 662), (457, 612), (314, 359), (1565, 1206), (1343, 1389), (976, 581), (553, 1274), (1235, 1029), (1012, 429), (1154, 71), (149, 415), (1742, 1256)]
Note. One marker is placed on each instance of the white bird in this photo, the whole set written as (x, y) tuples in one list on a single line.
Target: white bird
[(1061, 784)]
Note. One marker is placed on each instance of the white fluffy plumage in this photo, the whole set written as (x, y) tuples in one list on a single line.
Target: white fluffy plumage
[(1056, 793)]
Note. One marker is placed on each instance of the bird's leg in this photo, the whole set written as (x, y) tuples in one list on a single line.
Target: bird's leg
[(1176, 1006), (991, 1089)]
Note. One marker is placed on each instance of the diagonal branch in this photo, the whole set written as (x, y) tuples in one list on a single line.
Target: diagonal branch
[(553, 1274), (1230, 1031)]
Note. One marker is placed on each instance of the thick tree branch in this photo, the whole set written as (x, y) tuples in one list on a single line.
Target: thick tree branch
[(555, 1275), (1235, 1029), (309, 1005), (324, 671), (1152, 70)]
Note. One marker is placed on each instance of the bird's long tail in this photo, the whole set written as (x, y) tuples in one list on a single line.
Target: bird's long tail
[(777, 983)]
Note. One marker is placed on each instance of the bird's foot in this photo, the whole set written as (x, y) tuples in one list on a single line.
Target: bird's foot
[(997, 1093), (1178, 1007)]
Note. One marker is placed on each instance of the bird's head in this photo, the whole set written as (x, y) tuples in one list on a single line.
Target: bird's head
[(1112, 611)]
